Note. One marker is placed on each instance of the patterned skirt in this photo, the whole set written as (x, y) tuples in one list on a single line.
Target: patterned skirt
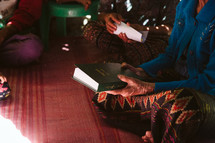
[(172, 116), (132, 53)]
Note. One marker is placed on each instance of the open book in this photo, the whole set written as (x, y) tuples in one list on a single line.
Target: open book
[(101, 76), (131, 33)]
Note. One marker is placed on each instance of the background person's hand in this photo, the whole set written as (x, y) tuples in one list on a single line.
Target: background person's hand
[(134, 87), (110, 19), (86, 3), (124, 37), (138, 71), (2, 79)]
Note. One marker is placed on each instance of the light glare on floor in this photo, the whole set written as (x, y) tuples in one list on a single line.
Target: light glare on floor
[(9, 133)]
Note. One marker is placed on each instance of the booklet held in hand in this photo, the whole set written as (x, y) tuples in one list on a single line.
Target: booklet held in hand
[(101, 76), (131, 33)]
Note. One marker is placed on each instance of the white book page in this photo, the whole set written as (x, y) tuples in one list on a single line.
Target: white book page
[(131, 33), (83, 78)]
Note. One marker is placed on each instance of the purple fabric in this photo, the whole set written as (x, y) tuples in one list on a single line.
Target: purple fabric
[(20, 50)]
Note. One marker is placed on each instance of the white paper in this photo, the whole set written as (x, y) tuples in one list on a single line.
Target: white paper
[(131, 33)]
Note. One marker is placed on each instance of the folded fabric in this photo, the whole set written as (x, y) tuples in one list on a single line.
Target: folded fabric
[(4, 90)]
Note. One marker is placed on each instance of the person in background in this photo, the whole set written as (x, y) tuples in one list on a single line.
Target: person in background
[(179, 104), (18, 46), (155, 16)]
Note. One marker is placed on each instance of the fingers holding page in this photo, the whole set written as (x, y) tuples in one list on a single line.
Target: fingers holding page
[(124, 37)]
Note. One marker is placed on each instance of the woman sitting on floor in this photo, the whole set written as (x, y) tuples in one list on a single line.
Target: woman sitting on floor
[(155, 16), (180, 103)]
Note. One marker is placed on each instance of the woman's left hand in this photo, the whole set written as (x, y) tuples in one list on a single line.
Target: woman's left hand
[(134, 87)]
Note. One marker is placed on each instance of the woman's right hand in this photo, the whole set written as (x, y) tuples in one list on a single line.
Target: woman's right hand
[(133, 87), (110, 20), (124, 37), (138, 71)]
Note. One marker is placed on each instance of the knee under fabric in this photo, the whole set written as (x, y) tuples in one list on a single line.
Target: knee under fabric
[(20, 50)]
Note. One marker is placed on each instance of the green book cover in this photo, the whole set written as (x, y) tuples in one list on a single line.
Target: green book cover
[(101, 76)]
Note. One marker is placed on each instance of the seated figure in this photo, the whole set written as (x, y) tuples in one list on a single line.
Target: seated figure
[(155, 16), (177, 94), (18, 46)]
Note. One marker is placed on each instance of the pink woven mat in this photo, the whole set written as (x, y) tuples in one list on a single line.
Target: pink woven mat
[(47, 106)]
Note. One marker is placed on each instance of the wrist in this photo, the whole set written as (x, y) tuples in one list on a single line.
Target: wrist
[(152, 87), (148, 87), (103, 16), (8, 31)]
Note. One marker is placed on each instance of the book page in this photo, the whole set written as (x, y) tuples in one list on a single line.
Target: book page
[(131, 33), (83, 78)]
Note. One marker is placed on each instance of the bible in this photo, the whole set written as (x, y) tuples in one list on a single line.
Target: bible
[(101, 76)]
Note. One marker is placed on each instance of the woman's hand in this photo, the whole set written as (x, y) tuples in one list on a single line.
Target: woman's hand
[(134, 87), (124, 37), (137, 27), (110, 20), (86, 3), (2, 79), (138, 71)]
